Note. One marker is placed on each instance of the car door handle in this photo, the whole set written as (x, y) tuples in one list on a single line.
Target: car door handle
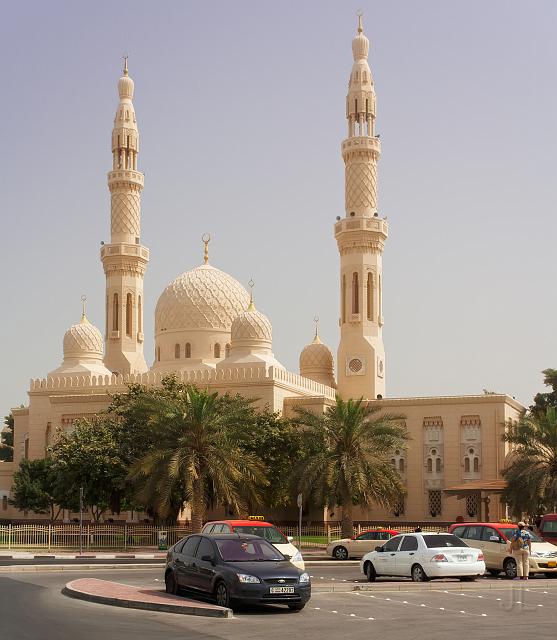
[(411, 553), (392, 554)]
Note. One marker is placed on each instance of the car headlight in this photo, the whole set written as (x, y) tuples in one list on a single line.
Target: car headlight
[(242, 577), (297, 557), (304, 578)]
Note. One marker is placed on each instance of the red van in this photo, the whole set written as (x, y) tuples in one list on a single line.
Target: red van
[(548, 528)]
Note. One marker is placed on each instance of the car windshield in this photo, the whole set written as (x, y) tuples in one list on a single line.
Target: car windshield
[(443, 540), (550, 526), (248, 551), (271, 534), (509, 532)]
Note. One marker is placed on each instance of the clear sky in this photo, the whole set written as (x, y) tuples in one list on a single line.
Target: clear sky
[(240, 107)]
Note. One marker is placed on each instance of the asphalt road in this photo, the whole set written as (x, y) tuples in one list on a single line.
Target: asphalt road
[(32, 608)]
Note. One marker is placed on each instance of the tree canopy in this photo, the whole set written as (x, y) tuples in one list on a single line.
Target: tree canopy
[(7, 439)]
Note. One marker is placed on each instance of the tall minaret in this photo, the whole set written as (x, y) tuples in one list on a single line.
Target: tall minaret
[(125, 259), (361, 239)]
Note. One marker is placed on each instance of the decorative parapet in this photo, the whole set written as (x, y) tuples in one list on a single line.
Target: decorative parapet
[(241, 375)]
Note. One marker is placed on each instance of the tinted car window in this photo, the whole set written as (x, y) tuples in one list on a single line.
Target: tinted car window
[(369, 535), (272, 534), (443, 540), (178, 546), (238, 550), (190, 546), (384, 535), (509, 533), (392, 544), (489, 532), (458, 531), (550, 526), (205, 548), (409, 543), (219, 528), (473, 533)]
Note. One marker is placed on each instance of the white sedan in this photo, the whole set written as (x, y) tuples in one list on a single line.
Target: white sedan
[(422, 556)]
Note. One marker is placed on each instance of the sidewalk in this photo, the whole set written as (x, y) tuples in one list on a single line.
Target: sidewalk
[(123, 595), (73, 555)]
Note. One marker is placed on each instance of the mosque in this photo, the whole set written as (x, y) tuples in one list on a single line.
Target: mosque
[(209, 332)]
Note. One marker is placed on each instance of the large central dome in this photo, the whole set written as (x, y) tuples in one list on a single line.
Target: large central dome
[(203, 298)]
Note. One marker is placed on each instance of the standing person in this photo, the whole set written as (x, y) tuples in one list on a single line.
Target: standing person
[(418, 529), (521, 547)]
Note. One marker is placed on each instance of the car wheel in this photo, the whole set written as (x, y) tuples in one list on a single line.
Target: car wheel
[(221, 595), (549, 574), (418, 574), (170, 583), (370, 572), (297, 607), (340, 553), (494, 572), (509, 567)]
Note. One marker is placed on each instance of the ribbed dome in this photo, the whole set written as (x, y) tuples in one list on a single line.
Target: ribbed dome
[(125, 84), (83, 340), (316, 356), (203, 298), (251, 325), (360, 44)]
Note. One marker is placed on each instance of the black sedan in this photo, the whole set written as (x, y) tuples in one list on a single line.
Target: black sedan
[(235, 568)]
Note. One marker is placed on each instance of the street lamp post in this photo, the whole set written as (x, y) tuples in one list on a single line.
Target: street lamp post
[(80, 520)]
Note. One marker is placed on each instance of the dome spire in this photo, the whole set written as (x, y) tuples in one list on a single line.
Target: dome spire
[(83, 316), (125, 56), (359, 13), (251, 305), (206, 238), (316, 338)]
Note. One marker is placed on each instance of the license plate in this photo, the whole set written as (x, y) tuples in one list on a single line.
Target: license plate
[(461, 557), (552, 563), (281, 590)]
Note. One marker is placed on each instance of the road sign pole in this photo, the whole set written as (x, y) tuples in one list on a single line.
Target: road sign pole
[(80, 520)]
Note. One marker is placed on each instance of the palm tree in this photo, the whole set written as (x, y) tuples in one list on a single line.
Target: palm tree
[(198, 452), (349, 457), (532, 472)]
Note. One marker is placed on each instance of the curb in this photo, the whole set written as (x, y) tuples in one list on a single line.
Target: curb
[(15, 568), (183, 609)]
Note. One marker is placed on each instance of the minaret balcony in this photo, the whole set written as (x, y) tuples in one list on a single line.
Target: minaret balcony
[(125, 250), (359, 143), (375, 224), (125, 175)]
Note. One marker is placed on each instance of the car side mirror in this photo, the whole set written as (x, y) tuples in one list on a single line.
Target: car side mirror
[(379, 549), (208, 558), (290, 538), (287, 557)]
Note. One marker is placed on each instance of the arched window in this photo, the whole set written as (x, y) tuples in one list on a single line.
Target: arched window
[(115, 319), (177, 351), (393, 462), (106, 319), (438, 465), (139, 315), (129, 314), (476, 464), (466, 464), (369, 296), (217, 350), (355, 294), (401, 465), (343, 301), (227, 350), (187, 350), (429, 465), (158, 354)]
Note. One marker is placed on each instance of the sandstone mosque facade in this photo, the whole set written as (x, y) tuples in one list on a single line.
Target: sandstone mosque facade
[(209, 332)]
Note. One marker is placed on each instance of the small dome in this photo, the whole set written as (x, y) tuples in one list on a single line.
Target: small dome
[(125, 84), (203, 298), (316, 356), (317, 363), (251, 325), (83, 340), (360, 44)]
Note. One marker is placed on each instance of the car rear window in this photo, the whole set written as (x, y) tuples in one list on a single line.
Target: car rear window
[(247, 550), (550, 526), (443, 540), (271, 534)]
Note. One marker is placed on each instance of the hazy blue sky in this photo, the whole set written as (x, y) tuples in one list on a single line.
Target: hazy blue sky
[(240, 107)]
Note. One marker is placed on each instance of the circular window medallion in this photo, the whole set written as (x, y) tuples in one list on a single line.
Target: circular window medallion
[(355, 365)]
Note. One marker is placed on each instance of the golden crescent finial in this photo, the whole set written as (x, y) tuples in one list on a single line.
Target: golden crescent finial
[(125, 56), (316, 339), (360, 13), (251, 285), (83, 300), (206, 238)]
